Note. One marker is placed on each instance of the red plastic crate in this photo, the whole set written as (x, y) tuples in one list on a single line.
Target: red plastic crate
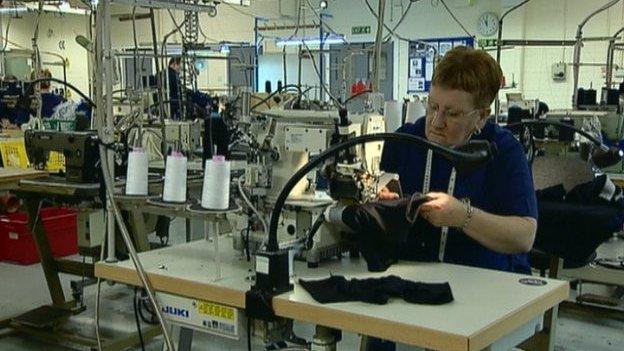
[(3, 247), (61, 228), (4, 244), (19, 246)]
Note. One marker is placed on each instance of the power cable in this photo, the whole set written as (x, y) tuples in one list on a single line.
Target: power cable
[(285, 75), (401, 19), (455, 18), (136, 48), (136, 318), (318, 16), (357, 95), (206, 38), (6, 35), (318, 73), (69, 85), (98, 336), (285, 87), (144, 279), (372, 11)]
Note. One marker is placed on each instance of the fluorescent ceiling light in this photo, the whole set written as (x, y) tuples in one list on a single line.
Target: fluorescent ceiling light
[(63, 7), (331, 39), (13, 7)]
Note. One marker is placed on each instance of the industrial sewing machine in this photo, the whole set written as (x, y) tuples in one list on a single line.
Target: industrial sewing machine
[(285, 140), (80, 150)]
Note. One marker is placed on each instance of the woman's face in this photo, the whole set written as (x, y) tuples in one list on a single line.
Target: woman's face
[(452, 116)]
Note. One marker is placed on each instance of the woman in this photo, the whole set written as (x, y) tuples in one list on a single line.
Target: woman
[(501, 227), (49, 100), (173, 76), (494, 224)]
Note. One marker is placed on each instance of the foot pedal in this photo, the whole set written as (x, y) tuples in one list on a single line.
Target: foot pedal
[(599, 300), (43, 317)]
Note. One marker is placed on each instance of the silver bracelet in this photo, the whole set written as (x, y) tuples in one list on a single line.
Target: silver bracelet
[(469, 212)]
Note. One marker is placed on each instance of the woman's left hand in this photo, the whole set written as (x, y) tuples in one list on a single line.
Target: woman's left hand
[(443, 210)]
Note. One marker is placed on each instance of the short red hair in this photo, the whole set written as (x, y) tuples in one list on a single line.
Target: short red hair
[(472, 71), (44, 73)]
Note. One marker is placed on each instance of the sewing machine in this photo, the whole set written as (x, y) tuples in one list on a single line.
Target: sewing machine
[(80, 150), (284, 141)]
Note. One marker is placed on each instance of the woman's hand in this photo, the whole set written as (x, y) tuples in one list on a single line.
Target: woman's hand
[(443, 210), (386, 194), (503, 234)]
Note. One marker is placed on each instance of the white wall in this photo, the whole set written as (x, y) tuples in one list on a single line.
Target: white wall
[(232, 24), (530, 66), (53, 29), (422, 22), (559, 19), (272, 69), (214, 76)]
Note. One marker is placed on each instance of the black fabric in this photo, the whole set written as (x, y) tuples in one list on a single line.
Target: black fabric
[(382, 231), (573, 231), (174, 93), (377, 290), (573, 225), (599, 191), (554, 193), (216, 133)]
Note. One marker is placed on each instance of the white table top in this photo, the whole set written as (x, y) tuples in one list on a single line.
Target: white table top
[(11, 174), (576, 113), (488, 304)]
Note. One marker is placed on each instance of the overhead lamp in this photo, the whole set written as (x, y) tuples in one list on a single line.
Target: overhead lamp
[(323, 4), (63, 7), (85, 43), (12, 7), (316, 40), (200, 65)]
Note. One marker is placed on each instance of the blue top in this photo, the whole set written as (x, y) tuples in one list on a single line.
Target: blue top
[(502, 187), (174, 93), (48, 102), (85, 108), (16, 115)]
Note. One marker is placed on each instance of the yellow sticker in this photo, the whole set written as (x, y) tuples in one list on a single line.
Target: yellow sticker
[(13, 153), (217, 311), (56, 162)]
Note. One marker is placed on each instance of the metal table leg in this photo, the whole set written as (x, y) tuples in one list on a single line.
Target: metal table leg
[(215, 231), (186, 339), (545, 340), (45, 253), (137, 221), (188, 233)]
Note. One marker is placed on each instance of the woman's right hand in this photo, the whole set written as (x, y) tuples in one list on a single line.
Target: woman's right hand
[(386, 194)]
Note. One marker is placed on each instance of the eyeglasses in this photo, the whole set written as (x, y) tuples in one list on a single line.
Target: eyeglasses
[(433, 110)]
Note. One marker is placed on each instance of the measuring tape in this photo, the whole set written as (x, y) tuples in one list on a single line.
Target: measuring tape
[(451, 189)]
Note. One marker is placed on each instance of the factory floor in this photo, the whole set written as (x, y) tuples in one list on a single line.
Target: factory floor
[(23, 288)]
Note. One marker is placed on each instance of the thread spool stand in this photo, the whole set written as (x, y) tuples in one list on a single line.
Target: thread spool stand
[(211, 226)]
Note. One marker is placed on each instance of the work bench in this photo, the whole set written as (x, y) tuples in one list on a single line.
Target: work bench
[(492, 310)]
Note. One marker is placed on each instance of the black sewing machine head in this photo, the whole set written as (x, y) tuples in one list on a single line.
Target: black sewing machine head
[(79, 148)]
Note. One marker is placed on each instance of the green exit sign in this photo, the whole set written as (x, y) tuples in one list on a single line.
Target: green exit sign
[(360, 30), (484, 43)]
